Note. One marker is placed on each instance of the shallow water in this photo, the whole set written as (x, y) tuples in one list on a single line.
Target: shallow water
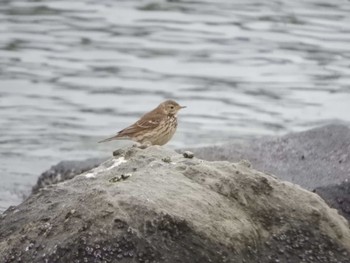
[(72, 73)]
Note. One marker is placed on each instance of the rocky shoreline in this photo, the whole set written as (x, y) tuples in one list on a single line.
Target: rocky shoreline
[(230, 203)]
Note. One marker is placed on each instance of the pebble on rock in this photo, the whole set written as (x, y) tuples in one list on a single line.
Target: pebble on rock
[(188, 154)]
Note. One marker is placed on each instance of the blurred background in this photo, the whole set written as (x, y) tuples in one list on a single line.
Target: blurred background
[(75, 72)]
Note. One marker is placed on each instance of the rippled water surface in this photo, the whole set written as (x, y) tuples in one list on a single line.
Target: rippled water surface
[(74, 72)]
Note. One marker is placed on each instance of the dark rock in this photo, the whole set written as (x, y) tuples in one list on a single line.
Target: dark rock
[(188, 154), (188, 211), (337, 196), (314, 158)]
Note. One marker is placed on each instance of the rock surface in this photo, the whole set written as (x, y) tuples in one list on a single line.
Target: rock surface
[(65, 170), (314, 158), (137, 207), (337, 196)]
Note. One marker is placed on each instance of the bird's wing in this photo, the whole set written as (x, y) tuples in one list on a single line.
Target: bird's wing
[(147, 122)]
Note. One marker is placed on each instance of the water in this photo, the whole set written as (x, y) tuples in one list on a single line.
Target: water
[(74, 72)]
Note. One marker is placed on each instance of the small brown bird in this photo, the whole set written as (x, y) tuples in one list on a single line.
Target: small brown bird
[(156, 127)]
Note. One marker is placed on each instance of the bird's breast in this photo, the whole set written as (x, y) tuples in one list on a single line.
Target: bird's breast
[(172, 120)]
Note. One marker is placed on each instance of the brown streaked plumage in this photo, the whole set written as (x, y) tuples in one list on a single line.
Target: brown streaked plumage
[(156, 127)]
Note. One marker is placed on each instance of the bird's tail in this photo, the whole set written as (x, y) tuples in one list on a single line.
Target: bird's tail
[(109, 139), (115, 137)]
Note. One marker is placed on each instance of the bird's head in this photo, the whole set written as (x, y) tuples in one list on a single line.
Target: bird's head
[(171, 107)]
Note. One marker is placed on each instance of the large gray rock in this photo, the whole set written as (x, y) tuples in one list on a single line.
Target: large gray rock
[(271, 155), (314, 158), (154, 205)]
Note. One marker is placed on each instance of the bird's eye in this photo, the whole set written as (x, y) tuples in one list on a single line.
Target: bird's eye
[(172, 107)]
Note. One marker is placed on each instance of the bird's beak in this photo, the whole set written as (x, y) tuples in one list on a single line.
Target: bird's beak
[(182, 107)]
